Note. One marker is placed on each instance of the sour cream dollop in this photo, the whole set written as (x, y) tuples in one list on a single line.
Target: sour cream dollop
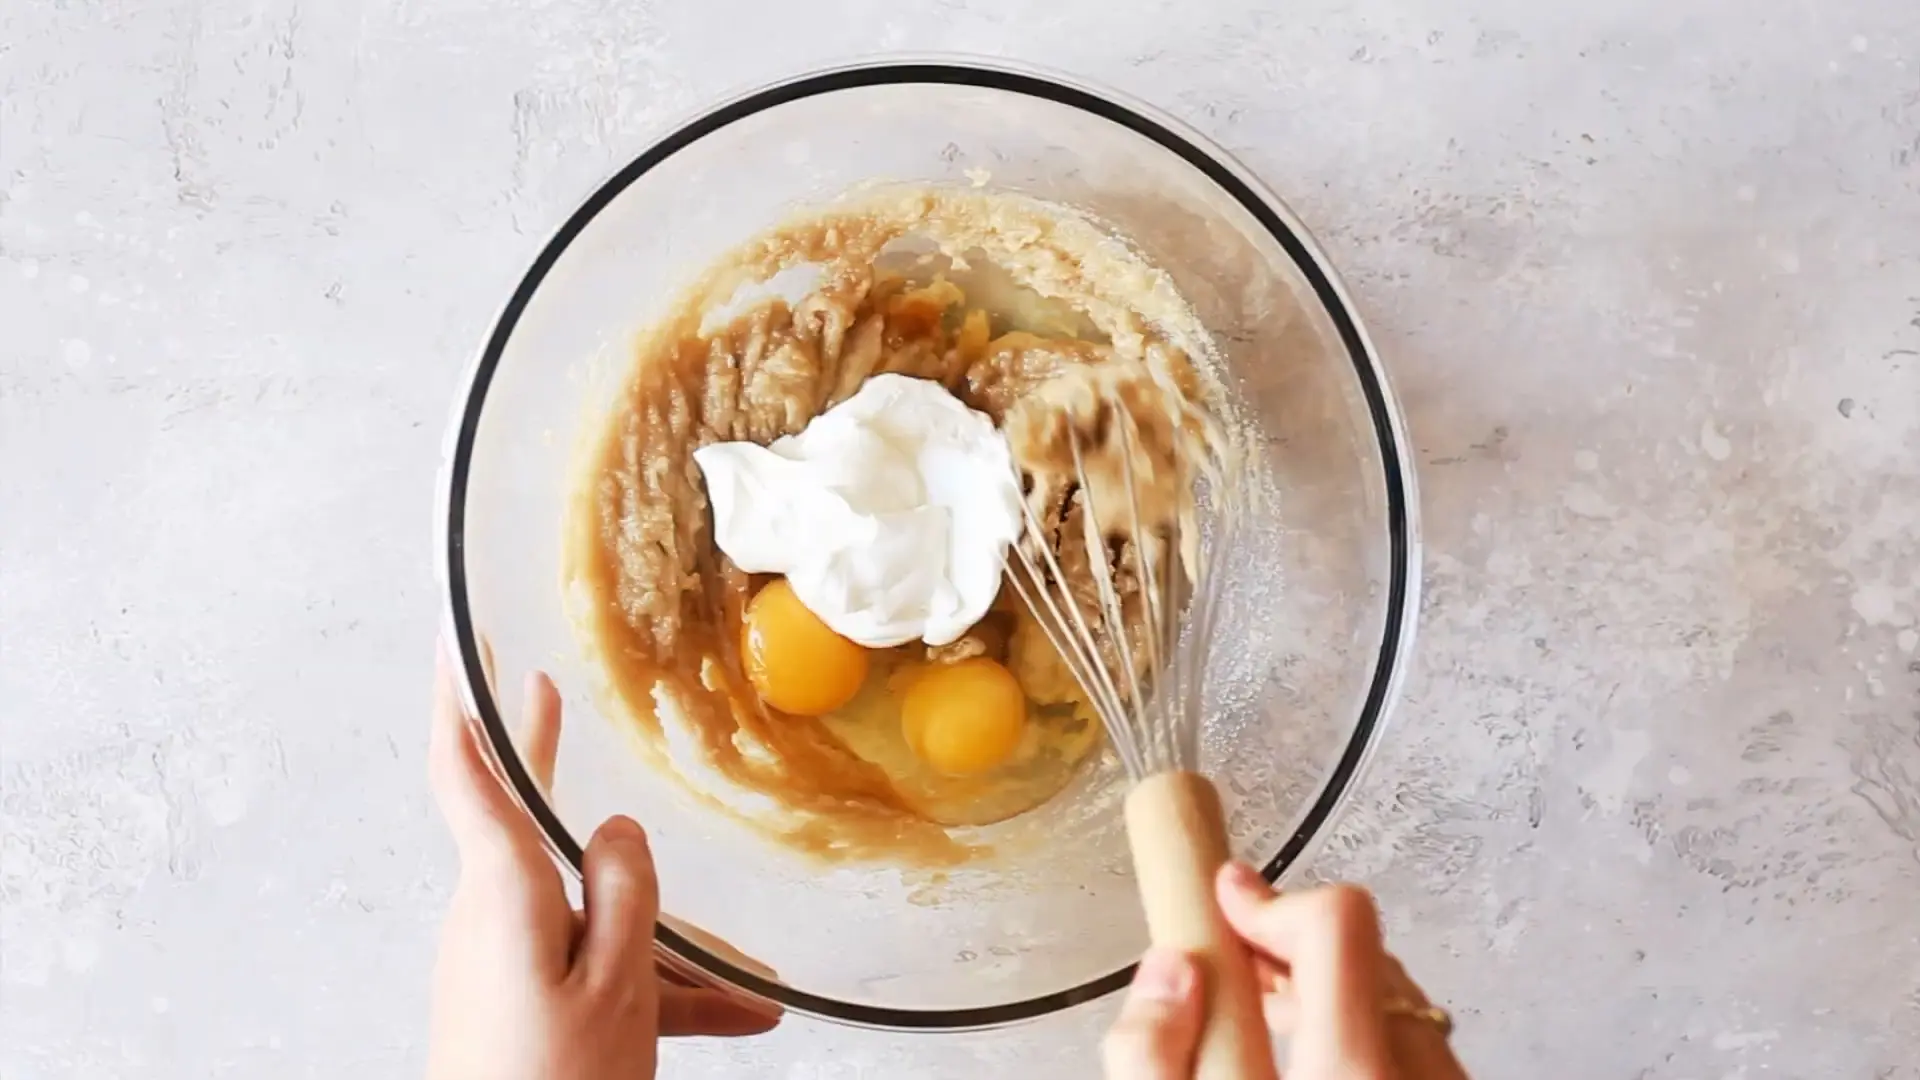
[(890, 513)]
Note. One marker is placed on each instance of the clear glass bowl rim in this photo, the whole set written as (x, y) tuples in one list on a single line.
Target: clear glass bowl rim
[(1389, 428)]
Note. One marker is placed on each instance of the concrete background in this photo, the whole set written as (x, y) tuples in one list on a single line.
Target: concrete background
[(1648, 275)]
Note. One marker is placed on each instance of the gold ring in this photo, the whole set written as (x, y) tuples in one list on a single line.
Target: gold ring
[(1436, 1017)]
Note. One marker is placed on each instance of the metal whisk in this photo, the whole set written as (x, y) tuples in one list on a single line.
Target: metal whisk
[(1148, 694)]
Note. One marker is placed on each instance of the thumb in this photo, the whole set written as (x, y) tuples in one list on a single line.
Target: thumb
[(623, 901), (1154, 1036)]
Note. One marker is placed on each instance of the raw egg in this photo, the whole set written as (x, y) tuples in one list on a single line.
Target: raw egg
[(795, 661), (964, 718)]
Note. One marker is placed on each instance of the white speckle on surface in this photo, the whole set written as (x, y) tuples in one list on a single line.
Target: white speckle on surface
[(1743, 1040), (1610, 784), (1584, 501), (1858, 44), (224, 803), (1714, 444), (160, 1006), (75, 352), (1586, 461), (29, 268), (1877, 604), (80, 954), (1745, 193), (1679, 775), (77, 284), (1510, 566), (1907, 640)]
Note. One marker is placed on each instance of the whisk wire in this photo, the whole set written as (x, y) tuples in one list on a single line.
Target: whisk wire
[(1080, 650), (1157, 620), (1152, 708), (1206, 618), (1112, 615)]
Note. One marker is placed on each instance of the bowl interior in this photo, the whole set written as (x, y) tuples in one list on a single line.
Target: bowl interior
[(1314, 622)]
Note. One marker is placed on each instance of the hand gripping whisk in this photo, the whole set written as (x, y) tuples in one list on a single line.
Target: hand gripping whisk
[(1120, 628)]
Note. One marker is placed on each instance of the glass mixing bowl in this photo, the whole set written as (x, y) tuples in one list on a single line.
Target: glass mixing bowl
[(1318, 617)]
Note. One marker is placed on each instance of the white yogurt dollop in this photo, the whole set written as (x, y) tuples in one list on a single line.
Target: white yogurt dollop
[(890, 514)]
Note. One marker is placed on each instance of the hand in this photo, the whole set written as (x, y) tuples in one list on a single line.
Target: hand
[(1326, 979), (526, 986)]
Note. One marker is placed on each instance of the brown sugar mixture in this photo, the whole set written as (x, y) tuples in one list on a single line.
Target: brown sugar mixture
[(1024, 311)]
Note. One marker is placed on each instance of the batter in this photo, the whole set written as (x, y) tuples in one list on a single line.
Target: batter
[(1026, 312)]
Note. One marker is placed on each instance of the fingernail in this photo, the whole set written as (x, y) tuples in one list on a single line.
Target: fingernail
[(1244, 878), (622, 828), (1165, 975)]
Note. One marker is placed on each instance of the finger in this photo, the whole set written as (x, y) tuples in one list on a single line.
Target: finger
[(1276, 995), (623, 901), (487, 824), (487, 667), (1154, 1036), (1329, 938), (540, 728), (1282, 1014), (506, 879), (687, 1010), (1398, 983), (1245, 894), (1271, 974), (1420, 1048)]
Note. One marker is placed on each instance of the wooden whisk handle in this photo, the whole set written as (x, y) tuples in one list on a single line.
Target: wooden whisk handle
[(1178, 832)]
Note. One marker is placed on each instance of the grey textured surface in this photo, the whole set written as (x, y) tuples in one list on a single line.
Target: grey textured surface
[(1648, 275)]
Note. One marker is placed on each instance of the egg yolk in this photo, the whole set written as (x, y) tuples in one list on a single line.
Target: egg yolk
[(964, 718), (796, 662)]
